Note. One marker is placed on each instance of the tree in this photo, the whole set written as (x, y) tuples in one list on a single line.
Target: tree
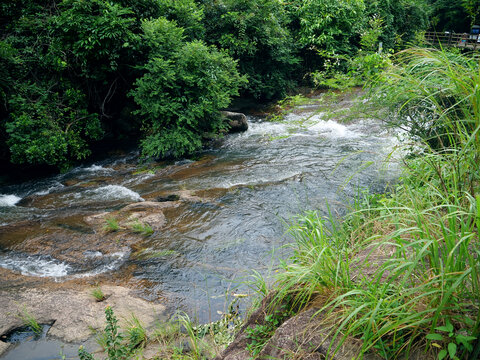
[(184, 86), (255, 33)]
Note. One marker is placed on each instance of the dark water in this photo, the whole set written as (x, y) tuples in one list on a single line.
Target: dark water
[(251, 186)]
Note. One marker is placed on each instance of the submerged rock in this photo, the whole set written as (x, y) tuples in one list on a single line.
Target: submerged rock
[(236, 121)]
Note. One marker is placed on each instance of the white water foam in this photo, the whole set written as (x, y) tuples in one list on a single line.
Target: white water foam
[(35, 266), (114, 192), (97, 168), (9, 200), (50, 189), (332, 129), (118, 259)]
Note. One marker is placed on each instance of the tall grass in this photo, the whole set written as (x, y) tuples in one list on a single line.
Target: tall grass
[(402, 271)]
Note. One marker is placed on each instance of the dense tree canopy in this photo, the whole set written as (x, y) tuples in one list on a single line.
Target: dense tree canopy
[(75, 71)]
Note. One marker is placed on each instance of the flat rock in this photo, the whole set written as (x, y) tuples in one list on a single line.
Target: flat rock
[(74, 313), (147, 206), (96, 219), (155, 220), (3, 347)]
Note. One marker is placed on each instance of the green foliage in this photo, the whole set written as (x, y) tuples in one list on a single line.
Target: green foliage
[(162, 37), (261, 333), (255, 33), (455, 342), (30, 321), (331, 26), (136, 333), (97, 33), (112, 225), (143, 229), (434, 94), (179, 98), (402, 270), (187, 14), (454, 15), (114, 346), (98, 294), (37, 114), (402, 20)]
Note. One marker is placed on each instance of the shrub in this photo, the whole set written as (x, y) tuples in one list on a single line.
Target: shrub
[(49, 127), (179, 98)]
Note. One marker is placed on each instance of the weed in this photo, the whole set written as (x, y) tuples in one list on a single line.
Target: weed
[(261, 333), (98, 294), (401, 271), (143, 229), (136, 333), (30, 321), (111, 339), (112, 225)]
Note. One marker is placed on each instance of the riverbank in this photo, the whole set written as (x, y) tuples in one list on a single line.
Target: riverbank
[(399, 276)]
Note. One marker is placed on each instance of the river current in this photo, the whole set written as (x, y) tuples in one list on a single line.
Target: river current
[(250, 187)]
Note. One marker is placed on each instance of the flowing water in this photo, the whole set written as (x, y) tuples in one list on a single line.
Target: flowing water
[(244, 192)]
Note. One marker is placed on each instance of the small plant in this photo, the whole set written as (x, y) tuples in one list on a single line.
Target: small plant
[(136, 333), (30, 321), (456, 343), (112, 225), (261, 333), (143, 229), (113, 339), (98, 294), (184, 320)]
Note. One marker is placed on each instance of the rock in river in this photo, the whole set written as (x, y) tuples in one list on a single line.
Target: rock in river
[(236, 121)]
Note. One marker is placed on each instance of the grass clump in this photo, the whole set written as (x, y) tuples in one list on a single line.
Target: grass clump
[(98, 294), (401, 273), (144, 229), (112, 225), (30, 321)]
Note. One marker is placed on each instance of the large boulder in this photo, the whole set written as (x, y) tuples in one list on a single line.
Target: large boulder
[(236, 121)]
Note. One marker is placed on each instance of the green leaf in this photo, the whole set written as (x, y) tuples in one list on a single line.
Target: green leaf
[(442, 354), (437, 337), (452, 349)]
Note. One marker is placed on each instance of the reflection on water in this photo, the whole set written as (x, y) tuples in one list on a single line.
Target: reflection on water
[(241, 196)]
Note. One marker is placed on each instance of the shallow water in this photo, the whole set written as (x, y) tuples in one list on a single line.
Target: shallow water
[(250, 188)]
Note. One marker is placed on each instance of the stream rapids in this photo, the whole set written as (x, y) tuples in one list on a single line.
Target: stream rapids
[(250, 187)]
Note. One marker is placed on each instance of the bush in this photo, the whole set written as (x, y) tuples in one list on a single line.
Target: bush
[(49, 127), (179, 98)]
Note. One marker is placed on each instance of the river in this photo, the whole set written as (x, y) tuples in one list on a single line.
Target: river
[(244, 192)]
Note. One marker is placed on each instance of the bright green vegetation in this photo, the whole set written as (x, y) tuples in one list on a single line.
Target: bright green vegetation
[(98, 294), (112, 225), (260, 334), (74, 72), (401, 272), (206, 341), (30, 321), (144, 229)]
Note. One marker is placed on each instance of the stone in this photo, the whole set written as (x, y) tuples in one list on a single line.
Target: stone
[(74, 313), (155, 220), (96, 219), (3, 347), (236, 121), (146, 206)]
